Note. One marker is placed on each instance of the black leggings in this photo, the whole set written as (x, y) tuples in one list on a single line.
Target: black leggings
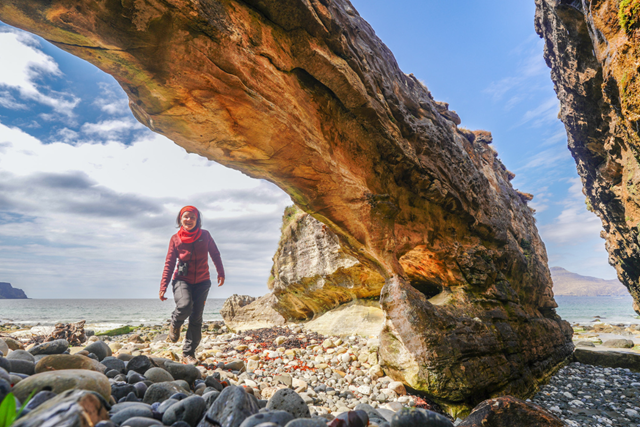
[(190, 301)]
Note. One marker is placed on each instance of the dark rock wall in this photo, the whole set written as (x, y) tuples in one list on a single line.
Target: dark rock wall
[(594, 66)]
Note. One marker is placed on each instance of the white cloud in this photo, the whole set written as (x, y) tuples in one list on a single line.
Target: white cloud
[(574, 225), (545, 113), (23, 66), (111, 129), (109, 209), (547, 159), (111, 102)]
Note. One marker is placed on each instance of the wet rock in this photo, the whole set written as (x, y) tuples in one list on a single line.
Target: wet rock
[(235, 365), (214, 383), (22, 366), (138, 410), (113, 363), (119, 390), (56, 362), (210, 397), (509, 411), (22, 355), (280, 418), (139, 364), (4, 364), (141, 422), (188, 373), (289, 401), (51, 347), (189, 410), (613, 359), (134, 377), (374, 415), (100, 349), (141, 388), (71, 408), (162, 408), (417, 417), (5, 388), (158, 375), (307, 422), (59, 381), (231, 408), (159, 392)]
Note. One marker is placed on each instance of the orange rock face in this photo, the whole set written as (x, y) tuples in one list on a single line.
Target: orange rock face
[(302, 93)]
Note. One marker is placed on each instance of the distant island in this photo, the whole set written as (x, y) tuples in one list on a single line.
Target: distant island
[(9, 292), (566, 283)]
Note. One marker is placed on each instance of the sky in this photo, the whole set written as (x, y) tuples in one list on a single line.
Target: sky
[(89, 196)]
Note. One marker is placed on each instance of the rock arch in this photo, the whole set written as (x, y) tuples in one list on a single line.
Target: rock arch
[(302, 93)]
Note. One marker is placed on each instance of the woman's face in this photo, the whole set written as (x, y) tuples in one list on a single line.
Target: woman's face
[(189, 220)]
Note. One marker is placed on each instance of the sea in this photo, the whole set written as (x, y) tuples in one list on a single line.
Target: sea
[(104, 314), (100, 314)]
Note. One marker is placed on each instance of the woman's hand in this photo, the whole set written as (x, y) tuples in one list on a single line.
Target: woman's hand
[(162, 298), (220, 281)]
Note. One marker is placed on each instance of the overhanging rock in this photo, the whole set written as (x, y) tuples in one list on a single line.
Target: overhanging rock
[(302, 93)]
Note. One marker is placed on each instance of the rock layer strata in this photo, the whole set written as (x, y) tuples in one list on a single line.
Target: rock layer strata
[(302, 93), (592, 50)]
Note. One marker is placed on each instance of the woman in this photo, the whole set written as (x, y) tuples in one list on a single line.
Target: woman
[(191, 247)]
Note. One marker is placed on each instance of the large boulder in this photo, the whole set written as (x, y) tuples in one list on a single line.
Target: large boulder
[(233, 304), (257, 314), (303, 94), (59, 381)]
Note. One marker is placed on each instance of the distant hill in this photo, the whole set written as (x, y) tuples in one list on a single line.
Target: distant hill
[(568, 283), (9, 292)]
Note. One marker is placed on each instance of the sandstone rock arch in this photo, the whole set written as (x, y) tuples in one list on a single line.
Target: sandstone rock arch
[(302, 93)]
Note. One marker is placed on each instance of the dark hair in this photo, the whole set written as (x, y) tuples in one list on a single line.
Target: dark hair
[(198, 223)]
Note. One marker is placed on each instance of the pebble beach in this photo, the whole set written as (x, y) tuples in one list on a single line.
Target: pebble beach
[(329, 377)]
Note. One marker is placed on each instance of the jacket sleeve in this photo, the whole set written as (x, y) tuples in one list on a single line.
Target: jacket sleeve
[(169, 266), (215, 256)]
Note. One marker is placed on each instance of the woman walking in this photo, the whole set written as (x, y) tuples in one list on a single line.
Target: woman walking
[(191, 247)]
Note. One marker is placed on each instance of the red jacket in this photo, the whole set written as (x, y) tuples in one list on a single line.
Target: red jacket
[(196, 254)]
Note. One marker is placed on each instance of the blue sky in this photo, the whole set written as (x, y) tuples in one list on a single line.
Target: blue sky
[(88, 196)]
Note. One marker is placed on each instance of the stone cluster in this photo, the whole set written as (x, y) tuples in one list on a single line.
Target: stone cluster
[(258, 374), (586, 395)]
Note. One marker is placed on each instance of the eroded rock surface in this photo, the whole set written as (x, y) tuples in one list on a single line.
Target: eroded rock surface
[(302, 93), (257, 314), (592, 49), (312, 273)]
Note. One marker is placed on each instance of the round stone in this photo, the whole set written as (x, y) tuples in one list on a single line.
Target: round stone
[(290, 401), (158, 375), (57, 362), (59, 381), (189, 410), (21, 355), (51, 347), (100, 349)]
